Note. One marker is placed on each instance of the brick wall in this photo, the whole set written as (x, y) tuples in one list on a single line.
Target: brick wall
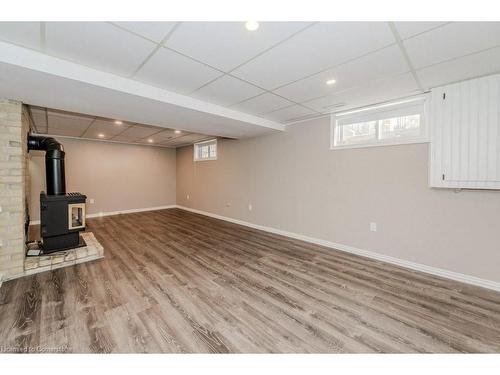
[(14, 127)]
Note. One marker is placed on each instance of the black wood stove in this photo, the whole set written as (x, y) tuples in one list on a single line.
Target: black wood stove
[(62, 216)]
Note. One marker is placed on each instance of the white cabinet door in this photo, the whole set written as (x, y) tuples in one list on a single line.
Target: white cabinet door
[(465, 134)]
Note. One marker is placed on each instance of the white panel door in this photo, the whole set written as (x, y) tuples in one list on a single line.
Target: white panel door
[(465, 134)]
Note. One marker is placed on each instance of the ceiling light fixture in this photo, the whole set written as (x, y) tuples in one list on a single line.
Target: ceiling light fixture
[(331, 82), (177, 132), (252, 25), (118, 122), (100, 135), (150, 140)]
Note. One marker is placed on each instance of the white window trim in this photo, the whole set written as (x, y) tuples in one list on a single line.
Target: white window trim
[(195, 158), (423, 138)]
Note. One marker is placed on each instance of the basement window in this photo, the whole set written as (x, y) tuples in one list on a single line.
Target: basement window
[(206, 150), (393, 123)]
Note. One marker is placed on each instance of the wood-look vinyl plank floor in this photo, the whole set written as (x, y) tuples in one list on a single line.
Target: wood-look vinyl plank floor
[(177, 282)]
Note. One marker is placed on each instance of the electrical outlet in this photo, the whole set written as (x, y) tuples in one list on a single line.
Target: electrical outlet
[(228, 204), (91, 201), (250, 208), (373, 227)]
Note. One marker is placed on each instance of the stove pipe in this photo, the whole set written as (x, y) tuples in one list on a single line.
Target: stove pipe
[(54, 163)]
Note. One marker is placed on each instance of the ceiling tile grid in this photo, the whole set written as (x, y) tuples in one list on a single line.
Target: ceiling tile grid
[(319, 47), (154, 31), (262, 104), (279, 70), (67, 124), (134, 133), (294, 112), (39, 118), (77, 125), (26, 34), (383, 63), (170, 70), (104, 129), (226, 91), (225, 45), (97, 44), (452, 41), (470, 66), (394, 87), (409, 29)]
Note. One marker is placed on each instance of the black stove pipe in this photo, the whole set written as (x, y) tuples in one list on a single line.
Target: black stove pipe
[(54, 163)]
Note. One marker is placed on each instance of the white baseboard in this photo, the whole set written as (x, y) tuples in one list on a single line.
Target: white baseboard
[(472, 280), (110, 213)]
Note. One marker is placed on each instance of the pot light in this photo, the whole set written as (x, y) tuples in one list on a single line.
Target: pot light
[(100, 135), (252, 25), (177, 132), (331, 82), (150, 140), (118, 122)]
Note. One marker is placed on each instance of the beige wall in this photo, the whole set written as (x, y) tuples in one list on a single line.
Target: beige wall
[(296, 183), (117, 176)]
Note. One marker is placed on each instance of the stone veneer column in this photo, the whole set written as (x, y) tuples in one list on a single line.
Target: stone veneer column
[(14, 126)]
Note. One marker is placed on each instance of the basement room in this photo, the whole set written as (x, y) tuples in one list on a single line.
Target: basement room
[(218, 185)]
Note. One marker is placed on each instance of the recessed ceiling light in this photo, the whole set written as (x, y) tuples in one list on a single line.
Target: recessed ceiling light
[(150, 140), (331, 82), (252, 25), (177, 132), (118, 122), (100, 135)]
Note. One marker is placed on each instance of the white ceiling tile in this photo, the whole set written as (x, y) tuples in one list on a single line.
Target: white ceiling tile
[(384, 63), (97, 44), (371, 93), (164, 135), (293, 112), (226, 91), (26, 34), (452, 41), (39, 118), (185, 139), (172, 71), (86, 126), (41, 130), (136, 132), (68, 132), (262, 104), (225, 45), (470, 66), (154, 31), (106, 127), (319, 47), (409, 29), (67, 124)]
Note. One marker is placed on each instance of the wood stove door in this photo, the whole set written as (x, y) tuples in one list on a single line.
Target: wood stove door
[(76, 216)]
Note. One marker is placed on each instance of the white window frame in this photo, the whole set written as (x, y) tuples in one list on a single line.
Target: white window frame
[(380, 112), (197, 144)]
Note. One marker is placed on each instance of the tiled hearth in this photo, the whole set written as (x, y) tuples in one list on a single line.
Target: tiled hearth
[(92, 251)]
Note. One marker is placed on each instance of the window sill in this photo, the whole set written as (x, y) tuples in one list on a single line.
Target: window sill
[(381, 144), (208, 159)]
